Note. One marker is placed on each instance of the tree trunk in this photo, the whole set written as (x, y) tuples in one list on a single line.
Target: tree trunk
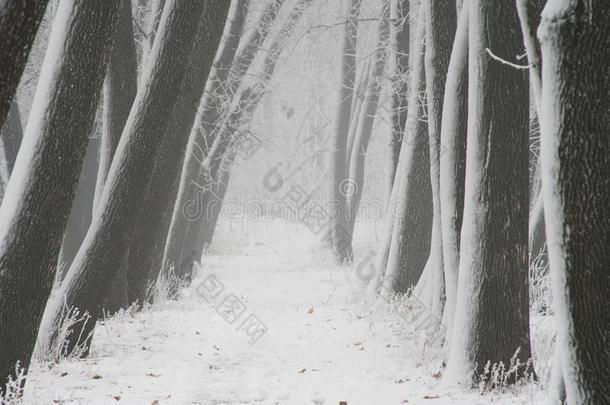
[(453, 164), (145, 257), (402, 38), (339, 181), (43, 183), (366, 118), (230, 69), (575, 39), (119, 92), (492, 310), (441, 21), (95, 265), (19, 21), (411, 235)]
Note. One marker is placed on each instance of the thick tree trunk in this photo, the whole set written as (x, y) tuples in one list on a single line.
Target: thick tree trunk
[(229, 71), (492, 310), (43, 183), (441, 22), (95, 265), (339, 182), (119, 92), (453, 164), (402, 38), (153, 221), (411, 235), (575, 39), (19, 21)]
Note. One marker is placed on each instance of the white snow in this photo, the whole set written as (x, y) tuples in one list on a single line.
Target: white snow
[(324, 342)]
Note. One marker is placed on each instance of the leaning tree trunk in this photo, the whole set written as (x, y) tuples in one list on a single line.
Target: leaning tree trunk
[(441, 23), (154, 218), (19, 21), (365, 119), (119, 92), (89, 278), (575, 122), (411, 234), (43, 183), (230, 69), (340, 185), (492, 310), (402, 38), (453, 165)]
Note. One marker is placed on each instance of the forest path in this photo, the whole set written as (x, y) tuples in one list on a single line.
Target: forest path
[(321, 346)]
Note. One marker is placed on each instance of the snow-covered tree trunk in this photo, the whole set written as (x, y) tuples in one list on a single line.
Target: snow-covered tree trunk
[(155, 215), (365, 119), (230, 68), (90, 275), (19, 21), (338, 159), (412, 207), (441, 22), (492, 309), (44, 179), (575, 40), (401, 33), (119, 92), (453, 164)]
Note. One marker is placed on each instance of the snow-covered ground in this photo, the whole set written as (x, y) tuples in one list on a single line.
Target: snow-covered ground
[(323, 342)]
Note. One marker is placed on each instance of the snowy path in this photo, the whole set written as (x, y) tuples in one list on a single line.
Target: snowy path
[(322, 345)]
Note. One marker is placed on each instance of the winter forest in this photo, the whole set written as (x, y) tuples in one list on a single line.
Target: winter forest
[(350, 202)]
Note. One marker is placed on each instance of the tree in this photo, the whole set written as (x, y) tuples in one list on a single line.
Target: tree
[(44, 179), (453, 164), (411, 209), (492, 310), (12, 134), (154, 218), (92, 271), (402, 41), (190, 208), (338, 164), (575, 40), (19, 21), (441, 23)]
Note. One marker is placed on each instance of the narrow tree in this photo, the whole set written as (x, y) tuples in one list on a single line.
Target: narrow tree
[(492, 310), (453, 164), (92, 271), (575, 39), (441, 23), (155, 215), (44, 179), (19, 21), (411, 209)]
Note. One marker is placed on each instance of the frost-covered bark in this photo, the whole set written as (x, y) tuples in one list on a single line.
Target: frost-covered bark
[(154, 218), (338, 159), (441, 21), (44, 179), (453, 164), (90, 275), (230, 68), (19, 21), (119, 92), (401, 32), (492, 310), (412, 207), (575, 40), (365, 119)]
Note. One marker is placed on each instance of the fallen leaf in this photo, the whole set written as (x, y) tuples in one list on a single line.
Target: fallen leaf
[(310, 310), (97, 377), (64, 374), (431, 397), (301, 371), (438, 374), (117, 397), (155, 402), (153, 375)]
